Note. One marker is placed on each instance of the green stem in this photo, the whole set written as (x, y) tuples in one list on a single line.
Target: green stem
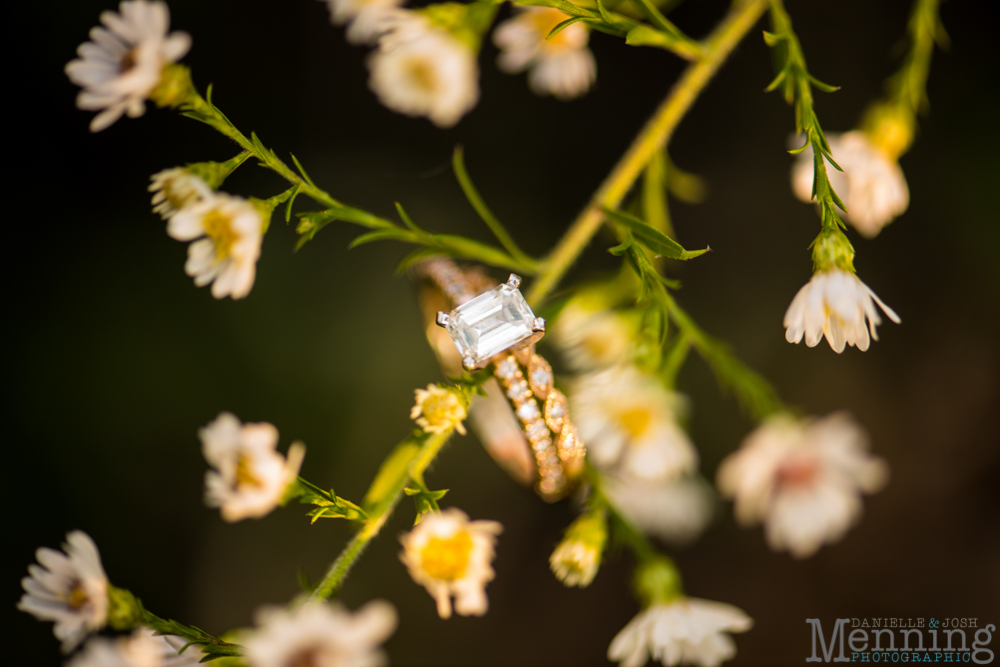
[(652, 138), (334, 577)]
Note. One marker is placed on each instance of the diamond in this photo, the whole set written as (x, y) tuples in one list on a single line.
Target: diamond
[(518, 390), (555, 410), (491, 323), (528, 411), (507, 368), (540, 376)]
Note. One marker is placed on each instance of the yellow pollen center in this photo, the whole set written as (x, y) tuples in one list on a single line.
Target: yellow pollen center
[(218, 227), (437, 409), (77, 597), (636, 421), (245, 476), (423, 75), (447, 559)]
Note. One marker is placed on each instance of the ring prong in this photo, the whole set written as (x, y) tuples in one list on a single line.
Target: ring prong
[(538, 326), (469, 363), (514, 281), (442, 319)]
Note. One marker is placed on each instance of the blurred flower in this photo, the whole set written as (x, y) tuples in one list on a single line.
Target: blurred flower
[(576, 560), (592, 338), (364, 17), (803, 479), (628, 420), (70, 589), (835, 304), (124, 63), (174, 189), (676, 510), (140, 649), (686, 630), (438, 409), (872, 185), (227, 255), (561, 66), (169, 647), (250, 477), (321, 635), (420, 69), (449, 555)]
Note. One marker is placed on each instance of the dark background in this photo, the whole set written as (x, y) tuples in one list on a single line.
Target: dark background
[(113, 359)]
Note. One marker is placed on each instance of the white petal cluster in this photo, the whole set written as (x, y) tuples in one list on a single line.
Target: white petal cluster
[(140, 649), (420, 69), (561, 66), (69, 589), (321, 635), (629, 422), (227, 232), (124, 62), (837, 305), (802, 479), (677, 510), (175, 189), (451, 556), (686, 631), (872, 185), (250, 477), (592, 338), (363, 16)]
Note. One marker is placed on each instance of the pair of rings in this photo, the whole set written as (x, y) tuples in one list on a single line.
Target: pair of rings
[(473, 323)]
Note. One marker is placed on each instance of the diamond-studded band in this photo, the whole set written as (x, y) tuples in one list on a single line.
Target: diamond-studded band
[(523, 421)]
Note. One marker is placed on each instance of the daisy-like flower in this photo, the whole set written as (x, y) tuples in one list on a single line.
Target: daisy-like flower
[(321, 635), (802, 479), (124, 62), (835, 304), (677, 510), (450, 556), (872, 185), (686, 630), (438, 409), (175, 189), (68, 588), (364, 16), (561, 66), (140, 649), (577, 558), (250, 477), (592, 338), (229, 233), (629, 422), (420, 69)]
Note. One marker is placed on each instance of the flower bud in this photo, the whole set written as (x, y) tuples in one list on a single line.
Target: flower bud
[(657, 581), (832, 250), (124, 609), (577, 558)]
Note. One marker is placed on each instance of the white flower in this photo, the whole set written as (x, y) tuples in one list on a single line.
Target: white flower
[(676, 510), (124, 62), (628, 420), (140, 649), (562, 66), (174, 189), (802, 479), (687, 630), (227, 255), (438, 409), (70, 589), (423, 70), (835, 304), (449, 555), (321, 635), (169, 647), (592, 338), (365, 17), (872, 185), (250, 477), (575, 563)]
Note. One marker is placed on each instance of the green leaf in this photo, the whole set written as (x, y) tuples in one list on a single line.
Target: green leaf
[(562, 26), (415, 257), (407, 220), (658, 242), (382, 235)]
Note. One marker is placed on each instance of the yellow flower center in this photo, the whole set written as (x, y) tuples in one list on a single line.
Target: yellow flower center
[(218, 227), (447, 559), (422, 72), (439, 409), (636, 421), (244, 475), (547, 19), (77, 597)]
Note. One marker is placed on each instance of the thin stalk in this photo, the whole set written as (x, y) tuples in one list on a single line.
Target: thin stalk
[(652, 138), (334, 577)]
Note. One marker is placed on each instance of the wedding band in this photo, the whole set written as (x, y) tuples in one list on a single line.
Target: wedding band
[(524, 420)]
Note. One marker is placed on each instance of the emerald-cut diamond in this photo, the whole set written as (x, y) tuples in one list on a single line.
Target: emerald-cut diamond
[(492, 322)]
